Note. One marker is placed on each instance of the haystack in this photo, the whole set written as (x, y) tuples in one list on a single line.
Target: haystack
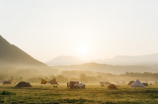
[(23, 84), (131, 82), (7, 82), (112, 86)]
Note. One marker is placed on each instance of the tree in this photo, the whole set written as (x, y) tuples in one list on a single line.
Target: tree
[(83, 77)]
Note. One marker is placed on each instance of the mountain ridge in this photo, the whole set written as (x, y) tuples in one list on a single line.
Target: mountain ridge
[(64, 60), (11, 55), (150, 59), (107, 68)]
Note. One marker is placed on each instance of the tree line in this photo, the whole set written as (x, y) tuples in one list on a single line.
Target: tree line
[(33, 75)]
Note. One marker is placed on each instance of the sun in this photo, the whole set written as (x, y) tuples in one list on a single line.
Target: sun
[(82, 50)]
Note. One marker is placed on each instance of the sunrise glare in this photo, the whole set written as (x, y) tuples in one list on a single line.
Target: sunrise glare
[(78, 51)]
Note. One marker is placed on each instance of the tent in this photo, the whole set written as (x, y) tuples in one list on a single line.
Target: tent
[(43, 81), (104, 83), (145, 84), (53, 82), (120, 82), (123, 82), (137, 83), (131, 82), (23, 84), (7, 82), (107, 83), (112, 86)]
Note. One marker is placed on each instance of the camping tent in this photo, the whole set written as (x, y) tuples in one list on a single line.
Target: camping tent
[(137, 83), (23, 84), (43, 81), (145, 84), (7, 82), (123, 82), (112, 86), (53, 81), (104, 83), (131, 82)]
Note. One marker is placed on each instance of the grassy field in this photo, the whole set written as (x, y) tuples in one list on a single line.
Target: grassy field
[(91, 94)]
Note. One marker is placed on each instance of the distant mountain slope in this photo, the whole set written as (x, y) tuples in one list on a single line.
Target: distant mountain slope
[(147, 60), (64, 60), (151, 59), (107, 68), (10, 55)]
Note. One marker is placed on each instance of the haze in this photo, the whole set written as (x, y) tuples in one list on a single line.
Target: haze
[(86, 29)]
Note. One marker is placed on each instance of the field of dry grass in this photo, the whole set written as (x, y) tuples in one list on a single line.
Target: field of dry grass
[(124, 94)]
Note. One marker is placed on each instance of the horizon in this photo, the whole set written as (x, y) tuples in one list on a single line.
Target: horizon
[(79, 51), (89, 59), (87, 30)]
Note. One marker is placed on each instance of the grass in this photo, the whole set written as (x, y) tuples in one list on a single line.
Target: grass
[(92, 94)]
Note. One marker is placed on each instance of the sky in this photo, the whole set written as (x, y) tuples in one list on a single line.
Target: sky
[(86, 29)]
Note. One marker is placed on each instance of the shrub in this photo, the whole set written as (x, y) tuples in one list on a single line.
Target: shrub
[(7, 93)]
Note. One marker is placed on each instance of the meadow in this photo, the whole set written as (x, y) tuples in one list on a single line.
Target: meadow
[(124, 94)]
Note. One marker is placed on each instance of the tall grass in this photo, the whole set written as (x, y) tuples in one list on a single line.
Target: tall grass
[(92, 94)]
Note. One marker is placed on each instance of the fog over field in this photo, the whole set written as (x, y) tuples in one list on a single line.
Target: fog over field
[(17, 64), (78, 51)]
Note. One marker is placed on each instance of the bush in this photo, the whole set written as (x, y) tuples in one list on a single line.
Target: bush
[(7, 93)]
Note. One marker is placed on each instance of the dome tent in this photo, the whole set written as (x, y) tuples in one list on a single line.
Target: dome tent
[(23, 84), (137, 83), (112, 86), (7, 82), (131, 82), (145, 84)]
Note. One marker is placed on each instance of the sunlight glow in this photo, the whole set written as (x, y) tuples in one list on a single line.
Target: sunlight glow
[(82, 50)]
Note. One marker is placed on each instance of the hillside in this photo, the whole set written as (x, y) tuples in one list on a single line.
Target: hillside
[(151, 59), (10, 55), (64, 60), (142, 60), (107, 68)]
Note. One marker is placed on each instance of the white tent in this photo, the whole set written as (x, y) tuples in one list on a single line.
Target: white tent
[(137, 83)]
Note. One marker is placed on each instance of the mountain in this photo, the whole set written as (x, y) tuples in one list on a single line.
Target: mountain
[(151, 59), (107, 68), (147, 60), (10, 55), (65, 60)]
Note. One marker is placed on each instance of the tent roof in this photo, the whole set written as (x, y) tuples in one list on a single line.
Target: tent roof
[(137, 83), (43, 81), (7, 82), (53, 81)]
